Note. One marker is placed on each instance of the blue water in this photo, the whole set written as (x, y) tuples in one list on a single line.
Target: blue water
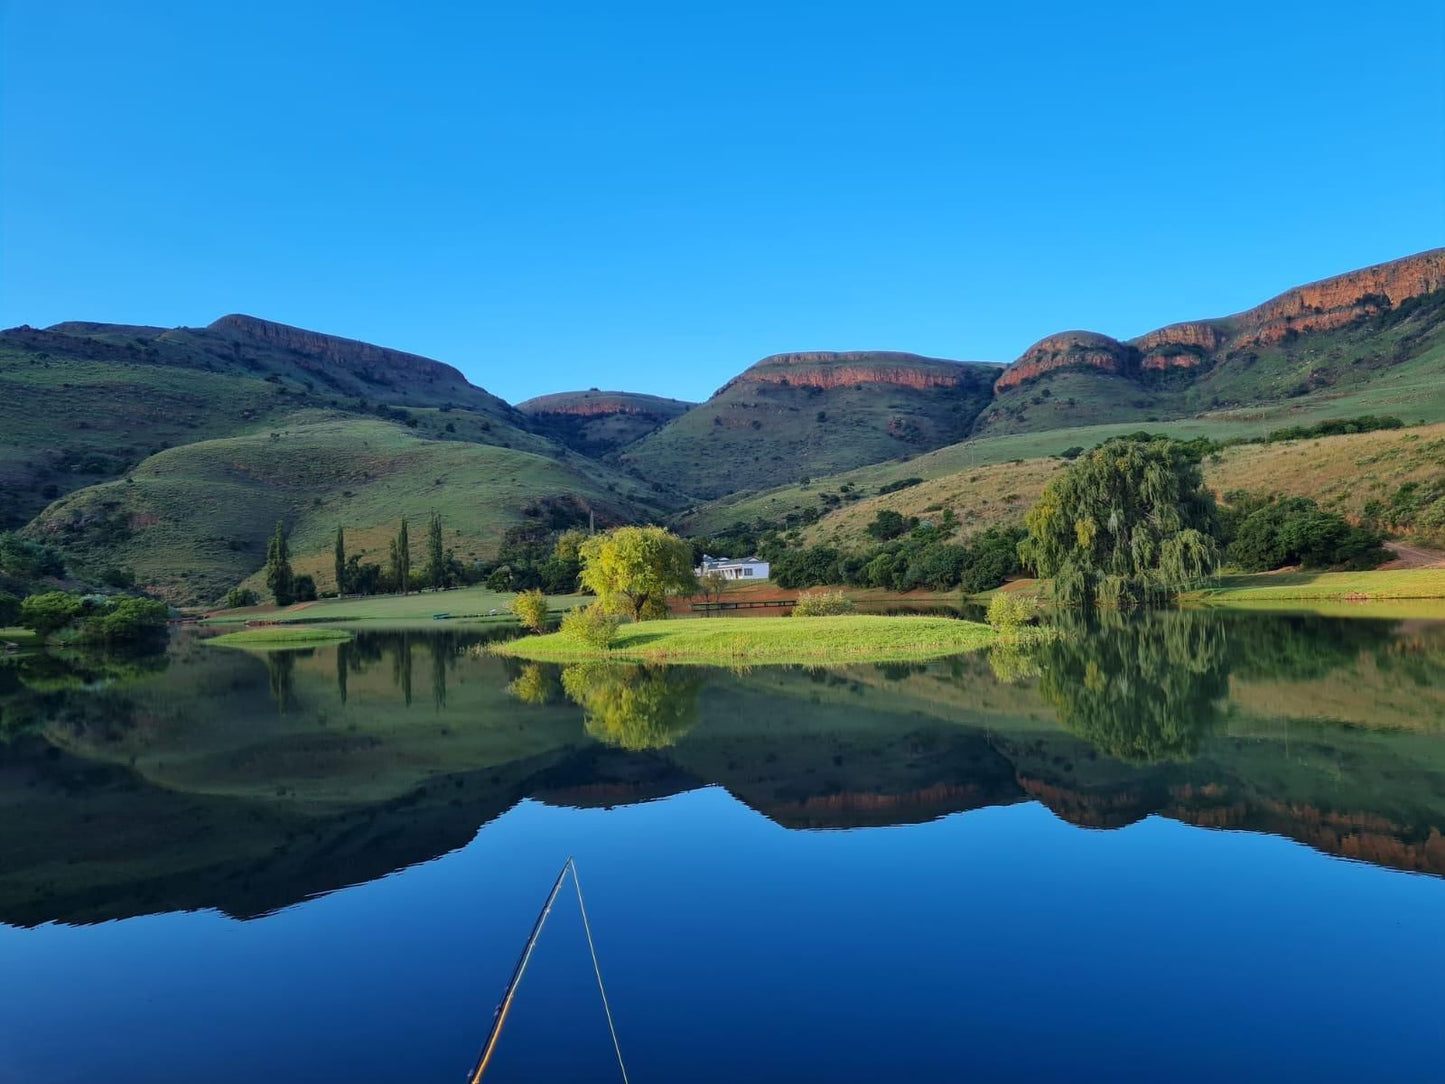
[(994, 943)]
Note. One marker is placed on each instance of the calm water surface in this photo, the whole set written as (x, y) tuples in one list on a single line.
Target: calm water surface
[(1188, 847)]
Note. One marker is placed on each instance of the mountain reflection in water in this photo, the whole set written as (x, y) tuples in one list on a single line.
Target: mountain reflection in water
[(245, 782)]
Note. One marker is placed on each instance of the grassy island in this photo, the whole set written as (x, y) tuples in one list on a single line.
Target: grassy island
[(730, 640), (278, 636)]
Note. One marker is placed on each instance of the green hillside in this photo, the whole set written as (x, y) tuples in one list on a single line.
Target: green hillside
[(81, 403), (803, 414), (193, 521)]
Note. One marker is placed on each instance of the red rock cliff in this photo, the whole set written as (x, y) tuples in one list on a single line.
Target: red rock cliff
[(1318, 306), (827, 369)]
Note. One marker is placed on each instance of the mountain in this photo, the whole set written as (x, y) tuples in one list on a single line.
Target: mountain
[(1330, 336), (173, 452), (597, 423), (81, 402), (811, 413)]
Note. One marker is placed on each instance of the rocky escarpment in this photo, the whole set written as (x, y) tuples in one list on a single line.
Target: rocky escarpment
[(829, 369), (1319, 306), (1068, 350), (595, 404), (596, 422), (316, 351)]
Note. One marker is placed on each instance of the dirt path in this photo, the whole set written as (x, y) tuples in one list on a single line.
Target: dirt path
[(1407, 556)]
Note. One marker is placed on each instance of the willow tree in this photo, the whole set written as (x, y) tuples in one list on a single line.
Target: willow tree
[(1129, 522)]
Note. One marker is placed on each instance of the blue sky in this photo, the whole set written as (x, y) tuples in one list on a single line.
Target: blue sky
[(652, 196)]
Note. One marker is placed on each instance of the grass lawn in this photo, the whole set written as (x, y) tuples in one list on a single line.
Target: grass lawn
[(804, 640), (464, 603), (18, 635), (1402, 583), (279, 636)]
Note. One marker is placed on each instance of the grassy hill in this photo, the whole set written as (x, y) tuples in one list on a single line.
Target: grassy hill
[(804, 414), (597, 423), (1341, 472), (193, 521), (81, 403)]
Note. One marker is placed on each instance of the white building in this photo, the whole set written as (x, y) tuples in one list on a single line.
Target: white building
[(748, 568)]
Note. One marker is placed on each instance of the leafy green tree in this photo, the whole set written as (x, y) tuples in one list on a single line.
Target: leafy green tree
[(340, 561), (9, 609), (436, 558), (303, 588), (633, 569), (241, 596), (531, 610), (890, 524), (26, 560), (1128, 522), (128, 620), (280, 580), (50, 611)]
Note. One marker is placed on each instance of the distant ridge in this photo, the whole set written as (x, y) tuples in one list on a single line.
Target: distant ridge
[(1325, 305)]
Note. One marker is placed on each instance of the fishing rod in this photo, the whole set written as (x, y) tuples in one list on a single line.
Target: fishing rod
[(499, 1017)]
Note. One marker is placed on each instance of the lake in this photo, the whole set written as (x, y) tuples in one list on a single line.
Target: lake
[(1186, 846)]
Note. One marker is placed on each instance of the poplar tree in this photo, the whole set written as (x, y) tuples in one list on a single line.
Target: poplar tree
[(279, 578), (340, 561), (403, 559), (436, 559)]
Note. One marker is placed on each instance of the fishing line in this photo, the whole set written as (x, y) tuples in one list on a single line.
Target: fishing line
[(504, 1006)]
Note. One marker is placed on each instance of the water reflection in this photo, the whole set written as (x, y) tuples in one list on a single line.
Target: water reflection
[(246, 781), (1140, 688)]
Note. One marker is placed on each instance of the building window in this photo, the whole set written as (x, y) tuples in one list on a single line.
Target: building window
[(747, 572)]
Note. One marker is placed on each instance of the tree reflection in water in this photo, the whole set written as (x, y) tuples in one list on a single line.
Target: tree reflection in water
[(1141, 688), (633, 706)]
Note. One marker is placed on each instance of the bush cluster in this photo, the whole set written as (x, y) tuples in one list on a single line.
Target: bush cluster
[(823, 604), (1268, 533), (924, 558), (1009, 612), (590, 625), (531, 609)]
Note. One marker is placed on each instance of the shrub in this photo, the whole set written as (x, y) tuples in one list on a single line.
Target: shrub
[(1297, 531), (1010, 612), (241, 596), (890, 524), (50, 611), (823, 604), (9, 609), (128, 619), (590, 625), (531, 609), (901, 483), (303, 587)]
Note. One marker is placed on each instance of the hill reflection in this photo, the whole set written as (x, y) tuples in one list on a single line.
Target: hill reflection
[(209, 778)]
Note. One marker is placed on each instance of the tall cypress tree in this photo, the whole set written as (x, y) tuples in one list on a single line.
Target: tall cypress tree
[(436, 559), (403, 558), (279, 578), (340, 561)]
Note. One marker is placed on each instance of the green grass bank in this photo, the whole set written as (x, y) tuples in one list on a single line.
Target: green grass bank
[(730, 641), (279, 636)]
